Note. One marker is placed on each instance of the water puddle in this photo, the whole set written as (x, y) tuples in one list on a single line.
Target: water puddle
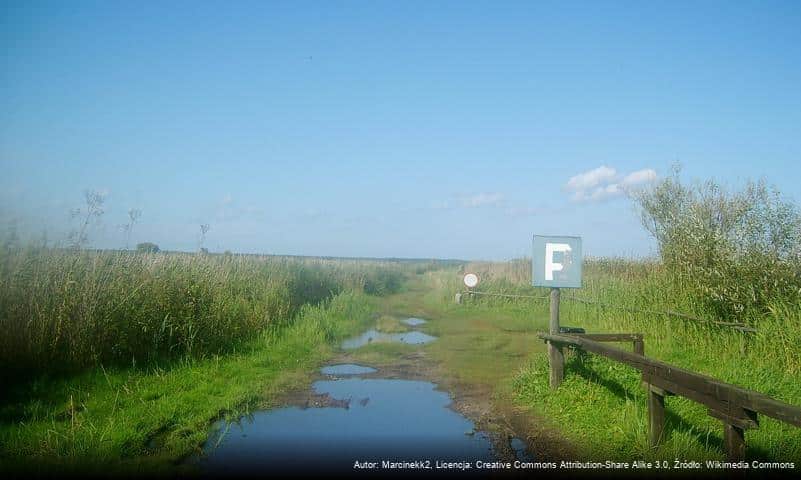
[(413, 338), (346, 369), (373, 420), (414, 322), (521, 452)]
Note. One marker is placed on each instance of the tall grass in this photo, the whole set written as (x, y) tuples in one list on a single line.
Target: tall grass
[(627, 293), (63, 310), (599, 392), (106, 421)]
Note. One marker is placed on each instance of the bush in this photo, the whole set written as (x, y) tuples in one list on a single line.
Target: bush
[(734, 251), (147, 247), (382, 282)]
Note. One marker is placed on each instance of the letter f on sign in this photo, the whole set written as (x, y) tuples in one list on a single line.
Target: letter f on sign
[(550, 265)]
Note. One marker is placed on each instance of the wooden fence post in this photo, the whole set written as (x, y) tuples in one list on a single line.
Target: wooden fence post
[(656, 415), (639, 346), (556, 358), (734, 441)]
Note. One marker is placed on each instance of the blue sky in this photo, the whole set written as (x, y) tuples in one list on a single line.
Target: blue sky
[(411, 129)]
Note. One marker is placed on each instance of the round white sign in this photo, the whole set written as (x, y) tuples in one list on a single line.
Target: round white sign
[(471, 280)]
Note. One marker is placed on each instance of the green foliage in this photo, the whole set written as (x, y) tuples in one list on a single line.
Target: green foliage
[(125, 420), (66, 310), (382, 282), (147, 247), (734, 251), (601, 405)]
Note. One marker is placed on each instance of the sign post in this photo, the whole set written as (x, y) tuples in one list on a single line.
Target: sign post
[(470, 281), (556, 358), (556, 263)]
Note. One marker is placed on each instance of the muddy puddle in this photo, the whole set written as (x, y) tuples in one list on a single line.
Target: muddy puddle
[(414, 322), (353, 415), (413, 337), (346, 369), (521, 451), (361, 419)]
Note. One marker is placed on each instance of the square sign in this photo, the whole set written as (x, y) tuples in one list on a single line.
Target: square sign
[(556, 262)]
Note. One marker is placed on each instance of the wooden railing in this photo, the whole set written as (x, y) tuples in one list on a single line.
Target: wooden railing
[(460, 296), (736, 407)]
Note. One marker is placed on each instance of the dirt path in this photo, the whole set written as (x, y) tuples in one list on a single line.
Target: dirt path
[(474, 359)]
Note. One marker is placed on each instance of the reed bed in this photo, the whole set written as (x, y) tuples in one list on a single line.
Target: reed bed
[(64, 310)]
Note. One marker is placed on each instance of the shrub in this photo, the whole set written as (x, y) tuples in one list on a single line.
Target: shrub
[(734, 251), (147, 247)]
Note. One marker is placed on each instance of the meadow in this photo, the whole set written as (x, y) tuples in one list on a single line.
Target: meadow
[(722, 298), (601, 406), (64, 310), (120, 360)]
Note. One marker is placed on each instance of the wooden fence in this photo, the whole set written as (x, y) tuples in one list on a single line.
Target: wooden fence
[(736, 407), (460, 296)]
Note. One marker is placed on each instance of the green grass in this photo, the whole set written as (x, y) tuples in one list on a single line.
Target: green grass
[(601, 393), (134, 420), (151, 415), (601, 405), (65, 310), (390, 324)]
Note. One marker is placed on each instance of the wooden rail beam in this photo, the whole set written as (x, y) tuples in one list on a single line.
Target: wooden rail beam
[(715, 394), (635, 338), (610, 337)]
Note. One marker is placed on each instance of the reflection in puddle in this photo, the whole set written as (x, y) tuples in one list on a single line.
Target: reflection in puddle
[(521, 452), (413, 338), (414, 322), (395, 420), (346, 369)]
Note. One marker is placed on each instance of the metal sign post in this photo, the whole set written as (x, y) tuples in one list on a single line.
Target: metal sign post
[(556, 263), (470, 281)]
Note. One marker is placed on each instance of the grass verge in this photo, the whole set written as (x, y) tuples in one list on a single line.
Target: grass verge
[(148, 421), (601, 407)]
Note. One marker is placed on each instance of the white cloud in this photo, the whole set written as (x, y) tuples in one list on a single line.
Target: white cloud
[(639, 177), (481, 200), (493, 200), (524, 211), (592, 178), (604, 183), (477, 200)]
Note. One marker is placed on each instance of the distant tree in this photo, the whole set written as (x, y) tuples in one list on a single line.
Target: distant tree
[(147, 247), (93, 210), (204, 251)]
